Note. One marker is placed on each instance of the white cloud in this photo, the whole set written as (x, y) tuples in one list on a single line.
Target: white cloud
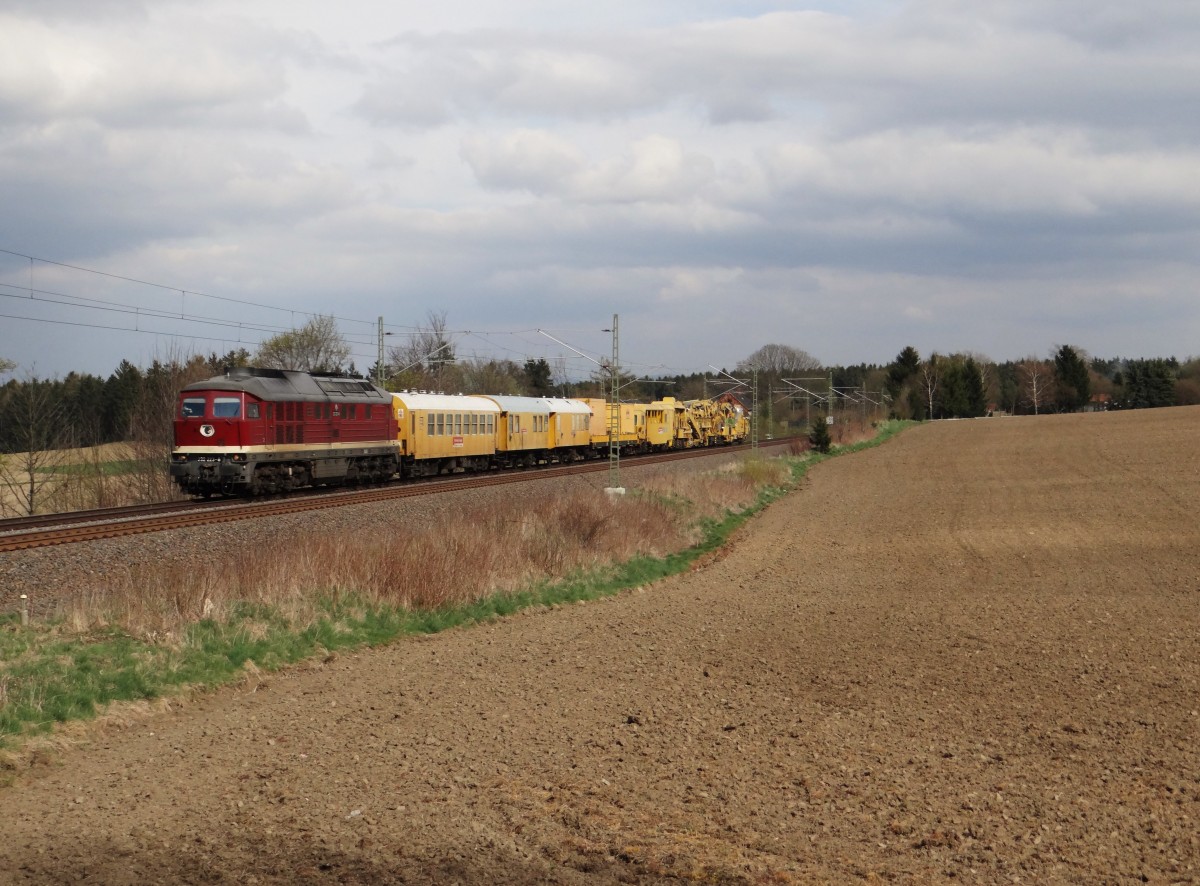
[(532, 160)]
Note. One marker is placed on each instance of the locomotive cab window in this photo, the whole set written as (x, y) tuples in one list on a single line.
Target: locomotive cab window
[(227, 407), (251, 410), (193, 407)]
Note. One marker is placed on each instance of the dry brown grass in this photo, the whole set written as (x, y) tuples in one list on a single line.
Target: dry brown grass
[(457, 559), (83, 479)]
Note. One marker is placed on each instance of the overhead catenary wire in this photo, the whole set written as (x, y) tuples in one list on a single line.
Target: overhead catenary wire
[(250, 333)]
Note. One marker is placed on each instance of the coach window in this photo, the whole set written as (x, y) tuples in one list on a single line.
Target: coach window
[(458, 423), (429, 424), (226, 407), (193, 407), (441, 423)]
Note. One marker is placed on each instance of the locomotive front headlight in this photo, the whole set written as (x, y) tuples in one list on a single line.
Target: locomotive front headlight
[(238, 458)]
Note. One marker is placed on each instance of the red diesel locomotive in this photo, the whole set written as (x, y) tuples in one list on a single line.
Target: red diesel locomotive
[(255, 431)]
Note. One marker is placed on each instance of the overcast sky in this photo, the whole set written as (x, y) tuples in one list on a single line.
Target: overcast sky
[(846, 178)]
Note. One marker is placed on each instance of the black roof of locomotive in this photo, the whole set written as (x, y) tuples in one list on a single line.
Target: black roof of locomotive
[(289, 384)]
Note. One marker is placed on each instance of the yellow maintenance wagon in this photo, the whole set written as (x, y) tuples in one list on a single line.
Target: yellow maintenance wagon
[(441, 434)]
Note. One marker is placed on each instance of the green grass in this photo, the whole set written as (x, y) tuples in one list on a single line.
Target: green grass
[(50, 675), (104, 468)]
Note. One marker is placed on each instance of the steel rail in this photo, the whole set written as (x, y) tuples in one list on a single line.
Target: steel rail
[(137, 520)]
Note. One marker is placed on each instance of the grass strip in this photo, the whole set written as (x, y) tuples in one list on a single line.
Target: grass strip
[(49, 674), (102, 469)]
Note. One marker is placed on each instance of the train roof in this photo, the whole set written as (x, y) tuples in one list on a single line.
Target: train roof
[(540, 405), (444, 402), (289, 384)]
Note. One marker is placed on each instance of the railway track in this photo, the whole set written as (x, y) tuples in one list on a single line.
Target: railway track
[(80, 526)]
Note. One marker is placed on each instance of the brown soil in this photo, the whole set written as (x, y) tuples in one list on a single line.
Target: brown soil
[(971, 654)]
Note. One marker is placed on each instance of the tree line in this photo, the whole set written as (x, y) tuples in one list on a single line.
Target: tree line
[(785, 386)]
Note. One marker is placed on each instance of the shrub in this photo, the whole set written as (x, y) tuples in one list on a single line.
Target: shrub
[(818, 435)]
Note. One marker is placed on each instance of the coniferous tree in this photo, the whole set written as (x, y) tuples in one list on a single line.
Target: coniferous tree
[(121, 394), (818, 435), (538, 380), (1149, 383), (1072, 378)]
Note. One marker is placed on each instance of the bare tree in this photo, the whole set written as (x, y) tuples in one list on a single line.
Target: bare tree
[(931, 377), (317, 346), (779, 360), (1036, 382), (154, 423), (423, 362), (34, 470), (485, 376), (562, 378)]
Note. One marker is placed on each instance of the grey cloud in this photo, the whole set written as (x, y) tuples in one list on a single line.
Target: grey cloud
[(222, 73), (76, 10), (653, 169), (1109, 24), (946, 174), (80, 184), (936, 61)]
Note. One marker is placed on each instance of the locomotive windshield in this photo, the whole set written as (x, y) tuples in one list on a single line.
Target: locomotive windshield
[(193, 407), (227, 407)]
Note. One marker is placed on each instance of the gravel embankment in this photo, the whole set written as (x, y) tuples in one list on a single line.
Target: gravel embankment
[(50, 576)]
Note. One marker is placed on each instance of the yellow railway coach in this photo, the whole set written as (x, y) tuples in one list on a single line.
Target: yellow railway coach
[(441, 434), (570, 428), (533, 430)]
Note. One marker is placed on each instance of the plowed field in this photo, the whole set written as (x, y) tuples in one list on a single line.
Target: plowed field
[(971, 654)]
